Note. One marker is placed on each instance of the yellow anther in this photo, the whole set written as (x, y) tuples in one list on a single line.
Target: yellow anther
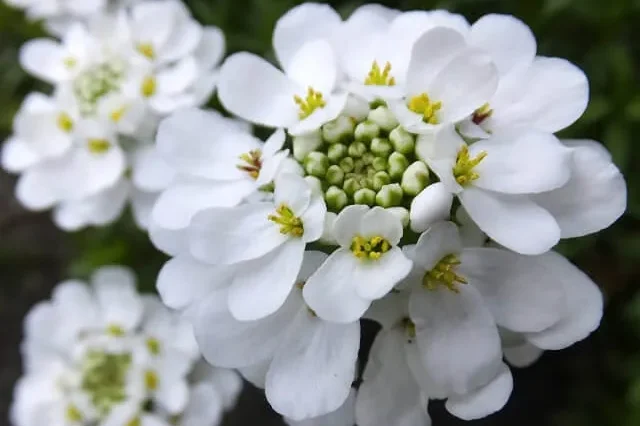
[(73, 414), (70, 62), (372, 248), (422, 104), (65, 122), (151, 380), (380, 77), (251, 163), (134, 422), (148, 87), (409, 327), (117, 114), (463, 169), (115, 330), (482, 113), (147, 50), (444, 274), (99, 146), (310, 103), (153, 345), (290, 224)]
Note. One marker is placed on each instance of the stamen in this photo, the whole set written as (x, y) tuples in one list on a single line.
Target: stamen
[(422, 104), (117, 114), (151, 380), (147, 50), (378, 77), (99, 146), (409, 327), (308, 105), (252, 163), (463, 169), (444, 274), (289, 223), (153, 345), (104, 377), (482, 113), (73, 414), (65, 122), (115, 330), (148, 87), (372, 248)]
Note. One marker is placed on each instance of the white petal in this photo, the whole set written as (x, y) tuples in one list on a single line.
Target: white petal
[(347, 224), (117, 296), (343, 416), (431, 205), (17, 155), (170, 241), (314, 65), (522, 163), (314, 219), (183, 41), (595, 196), (301, 24), (44, 59), (583, 310), (256, 374), (484, 401), (154, 21), (253, 89), (312, 371), (228, 383), (504, 279), (447, 325), (440, 240), (204, 406), (391, 310), (513, 221), (517, 351), (173, 396), (335, 106), (183, 281), (226, 236), (150, 171), (374, 279), (509, 41), (331, 292), (389, 395), (261, 286), (293, 191), (229, 343), (380, 222)]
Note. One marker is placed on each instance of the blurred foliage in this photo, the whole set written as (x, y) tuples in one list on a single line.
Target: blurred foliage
[(600, 36)]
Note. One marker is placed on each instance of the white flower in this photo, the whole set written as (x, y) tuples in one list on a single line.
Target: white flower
[(96, 354), (263, 243), (366, 267), (343, 416), (495, 178)]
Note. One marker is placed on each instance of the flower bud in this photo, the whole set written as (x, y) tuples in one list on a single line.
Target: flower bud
[(365, 196), (327, 234), (398, 163), (379, 164), (384, 118), (357, 149), (347, 164), (338, 130), (366, 131), (415, 178), (401, 213), (367, 158), (380, 179), (316, 164), (336, 152), (381, 147), (431, 205), (351, 185), (336, 198), (334, 175), (403, 141), (389, 195), (315, 184), (304, 144)]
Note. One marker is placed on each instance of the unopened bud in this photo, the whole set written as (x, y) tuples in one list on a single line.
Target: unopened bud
[(403, 141), (398, 163), (336, 198), (315, 184), (389, 195), (379, 164), (304, 144), (347, 164), (381, 147), (384, 118), (334, 175), (336, 152), (338, 130), (357, 149), (365, 196), (366, 131), (316, 164), (415, 178), (401, 213), (380, 179), (351, 185)]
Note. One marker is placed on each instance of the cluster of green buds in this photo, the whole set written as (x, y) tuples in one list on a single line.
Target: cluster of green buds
[(370, 161), (96, 82)]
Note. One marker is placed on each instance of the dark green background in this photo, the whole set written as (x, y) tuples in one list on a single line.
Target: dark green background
[(596, 382)]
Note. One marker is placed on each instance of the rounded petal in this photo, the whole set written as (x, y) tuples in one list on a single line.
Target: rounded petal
[(440, 240), (431, 205), (44, 59), (375, 279), (293, 191), (204, 406), (513, 221), (211, 49), (116, 293), (312, 371), (343, 416), (314, 219), (595, 196), (335, 105), (17, 155), (314, 65), (380, 222), (150, 171), (347, 223)]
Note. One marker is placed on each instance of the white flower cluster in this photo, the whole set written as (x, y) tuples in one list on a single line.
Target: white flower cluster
[(414, 179), (104, 355), (86, 148)]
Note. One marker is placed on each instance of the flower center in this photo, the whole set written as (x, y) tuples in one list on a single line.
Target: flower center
[(151, 380), (251, 162), (422, 104), (104, 378), (153, 345), (290, 224), (148, 86), (482, 113), (380, 77), (369, 248), (310, 103), (409, 328), (95, 83), (444, 274), (73, 414), (147, 50), (98, 146), (463, 169), (65, 122)]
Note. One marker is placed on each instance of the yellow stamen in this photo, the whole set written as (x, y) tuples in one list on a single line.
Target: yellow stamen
[(372, 248), (148, 87), (422, 104), (380, 77), (252, 163), (153, 345), (147, 50), (290, 224), (134, 422), (65, 122), (444, 274), (310, 103), (73, 414), (117, 114), (463, 169), (151, 380), (70, 62), (99, 146), (115, 330)]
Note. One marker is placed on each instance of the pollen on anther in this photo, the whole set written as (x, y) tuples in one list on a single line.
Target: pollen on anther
[(380, 77), (310, 103)]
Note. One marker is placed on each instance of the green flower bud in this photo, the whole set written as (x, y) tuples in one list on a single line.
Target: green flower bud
[(368, 158), (302, 145), (380, 179), (316, 164), (347, 164), (315, 184), (366, 131), (336, 152), (358, 166), (334, 175), (401, 213), (351, 185), (357, 149), (379, 164), (389, 195), (336, 198), (365, 196), (403, 141), (384, 118), (338, 130), (381, 147), (415, 178), (398, 163), (367, 182)]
